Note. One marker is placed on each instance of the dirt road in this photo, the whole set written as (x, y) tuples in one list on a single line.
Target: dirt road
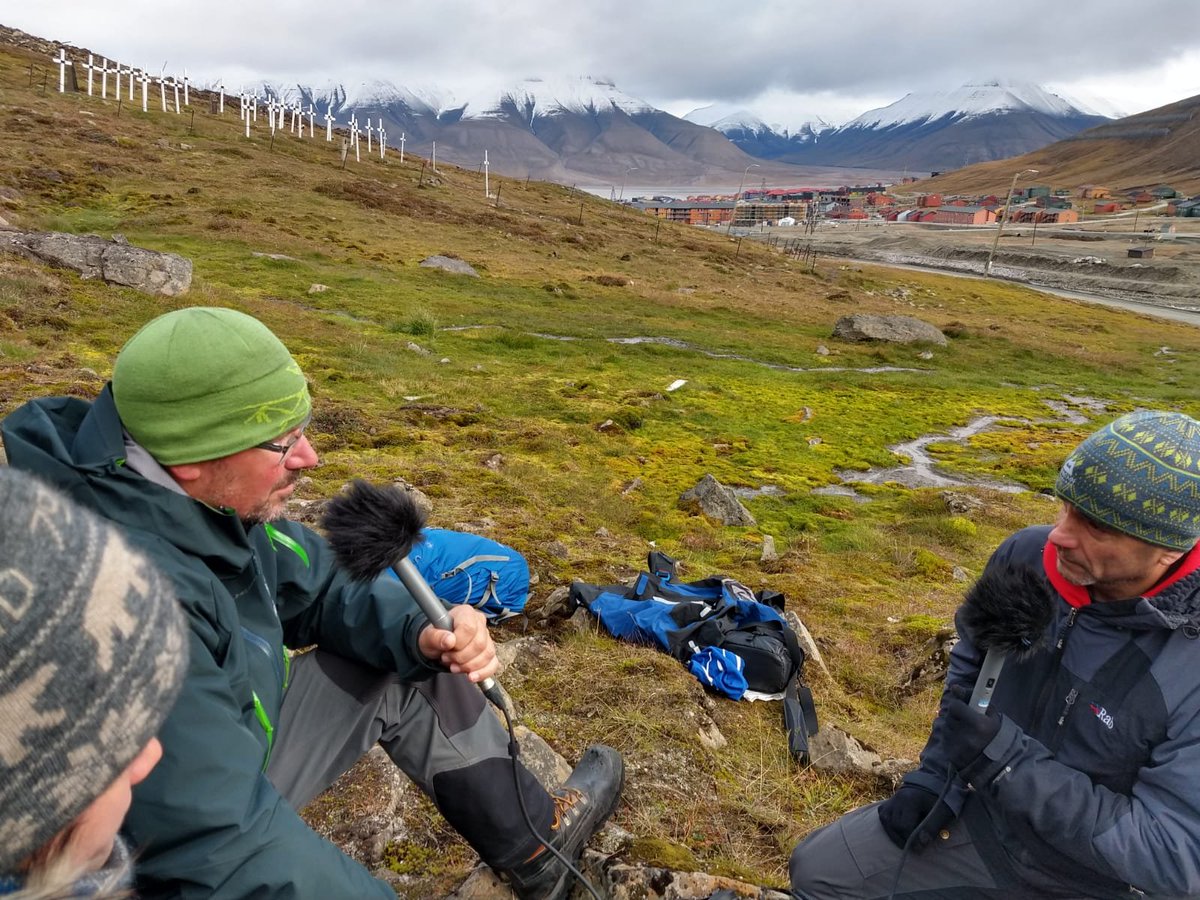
[(1085, 261)]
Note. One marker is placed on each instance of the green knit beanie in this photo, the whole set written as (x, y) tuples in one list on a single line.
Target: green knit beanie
[(202, 383), (1140, 475)]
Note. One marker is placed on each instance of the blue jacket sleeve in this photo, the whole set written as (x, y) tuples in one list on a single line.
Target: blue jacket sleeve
[(376, 622), (207, 822)]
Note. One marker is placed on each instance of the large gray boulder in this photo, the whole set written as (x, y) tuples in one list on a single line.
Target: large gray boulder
[(716, 501), (112, 261), (448, 264), (894, 329)]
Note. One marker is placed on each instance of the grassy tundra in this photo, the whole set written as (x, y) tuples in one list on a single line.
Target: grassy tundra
[(520, 416)]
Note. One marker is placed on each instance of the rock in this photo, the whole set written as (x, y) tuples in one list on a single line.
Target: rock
[(629, 882), (634, 485), (494, 462), (317, 288), (518, 653), (822, 350), (768, 549), (807, 644), (557, 549), (960, 574), (448, 264), (711, 737), (607, 425), (557, 605), (277, 256), (832, 750), (960, 504), (148, 271), (716, 501), (547, 766), (358, 811), (814, 441), (893, 329), (925, 354), (416, 348), (935, 660)]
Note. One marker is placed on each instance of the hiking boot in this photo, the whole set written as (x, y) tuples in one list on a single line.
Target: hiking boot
[(581, 806)]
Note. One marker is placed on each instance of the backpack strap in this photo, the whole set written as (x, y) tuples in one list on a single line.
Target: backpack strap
[(799, 718), (467, 563)]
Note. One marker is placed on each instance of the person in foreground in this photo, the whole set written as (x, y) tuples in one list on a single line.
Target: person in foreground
[(92, 654), (1081, 779), (193, 448)]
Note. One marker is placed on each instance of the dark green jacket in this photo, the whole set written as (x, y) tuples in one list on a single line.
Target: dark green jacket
[(207, 822)]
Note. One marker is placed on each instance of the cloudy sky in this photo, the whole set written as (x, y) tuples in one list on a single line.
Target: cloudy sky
[(786, 60)]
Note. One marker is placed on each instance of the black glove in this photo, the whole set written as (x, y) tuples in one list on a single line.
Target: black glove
[(909, 810), (967, 732)]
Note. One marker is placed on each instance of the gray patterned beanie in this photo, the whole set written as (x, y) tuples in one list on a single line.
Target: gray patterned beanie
[(1140, 475), (92, 655)]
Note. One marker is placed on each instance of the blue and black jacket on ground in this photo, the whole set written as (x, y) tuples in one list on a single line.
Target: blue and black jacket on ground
[(729, 638)]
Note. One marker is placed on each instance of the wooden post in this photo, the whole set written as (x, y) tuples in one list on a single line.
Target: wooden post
[(192, 123), (499, 187), (580, 212)]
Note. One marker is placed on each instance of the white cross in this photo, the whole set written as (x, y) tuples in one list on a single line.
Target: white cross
[(328, 125), (402, 146), (145, 80), (186, 82), (254, 107), (221, 88), (368, 137), (311, 112), (382, 139), (162, 90), (175, 88), (270, 105), (104, 79), (246, 116), (433, 158), (486, 190), (131, 72), (61, 59), (88, 65)]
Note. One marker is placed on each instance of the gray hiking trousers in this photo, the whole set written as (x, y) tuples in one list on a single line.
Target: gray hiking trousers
[(854, 859), (438, 732)]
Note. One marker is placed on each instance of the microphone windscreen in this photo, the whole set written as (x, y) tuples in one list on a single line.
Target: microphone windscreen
[(370, 527), (1008, 609)]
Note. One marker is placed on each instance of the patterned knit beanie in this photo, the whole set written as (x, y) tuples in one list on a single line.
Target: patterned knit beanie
[(203, 383), (1140, 475), (92, 654)]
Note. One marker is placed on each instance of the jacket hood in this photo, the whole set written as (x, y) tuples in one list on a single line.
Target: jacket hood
[(80, 446)]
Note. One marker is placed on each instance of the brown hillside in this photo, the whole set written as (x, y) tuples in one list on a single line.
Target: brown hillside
[(1160, 146)]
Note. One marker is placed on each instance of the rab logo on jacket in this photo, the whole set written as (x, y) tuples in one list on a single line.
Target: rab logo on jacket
[(1103, 715)]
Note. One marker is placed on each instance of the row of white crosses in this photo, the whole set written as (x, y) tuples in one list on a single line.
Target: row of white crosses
[(277, 110), (119, 72)]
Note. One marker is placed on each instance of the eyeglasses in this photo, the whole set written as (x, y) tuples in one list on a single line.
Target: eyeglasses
[(282, 449)]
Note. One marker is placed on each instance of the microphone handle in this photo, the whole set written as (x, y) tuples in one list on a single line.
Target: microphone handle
[(435, 612), (985, 684)]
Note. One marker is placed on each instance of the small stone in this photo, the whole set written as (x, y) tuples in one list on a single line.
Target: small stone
[(768, 549), (317, 288), (711, 737), (925, 354), (634, 485), (822, 350), (444, 360), (494, 462)]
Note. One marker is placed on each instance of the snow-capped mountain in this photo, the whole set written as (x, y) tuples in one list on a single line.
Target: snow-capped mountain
[(938, 130), (754, 135)]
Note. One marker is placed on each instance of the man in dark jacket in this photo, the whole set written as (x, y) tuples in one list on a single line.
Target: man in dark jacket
[(193, 449), (1080, 781)]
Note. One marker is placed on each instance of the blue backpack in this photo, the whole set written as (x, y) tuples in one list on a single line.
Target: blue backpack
[(731, 639), (475, 570)]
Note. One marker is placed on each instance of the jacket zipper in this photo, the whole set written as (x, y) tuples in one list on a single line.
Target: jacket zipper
[(1059, 651), (260, 712)]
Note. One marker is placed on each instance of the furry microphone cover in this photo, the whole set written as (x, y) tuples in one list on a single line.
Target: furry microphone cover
[(371, 528), (1008, 610)]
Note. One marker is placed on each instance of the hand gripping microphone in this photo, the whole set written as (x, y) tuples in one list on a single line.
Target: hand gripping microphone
[(371, 528), (1006, 611)]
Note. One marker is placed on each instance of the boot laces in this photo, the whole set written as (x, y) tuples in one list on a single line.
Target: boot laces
[(567, 803)]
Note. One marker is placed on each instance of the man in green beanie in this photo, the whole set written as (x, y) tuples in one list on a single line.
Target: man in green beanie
[(193, 449), (1080, 779)]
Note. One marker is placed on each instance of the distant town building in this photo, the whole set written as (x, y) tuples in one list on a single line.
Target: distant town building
[(1141, 252)]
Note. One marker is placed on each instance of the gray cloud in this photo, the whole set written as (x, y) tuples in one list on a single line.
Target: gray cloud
[(664, 53)]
